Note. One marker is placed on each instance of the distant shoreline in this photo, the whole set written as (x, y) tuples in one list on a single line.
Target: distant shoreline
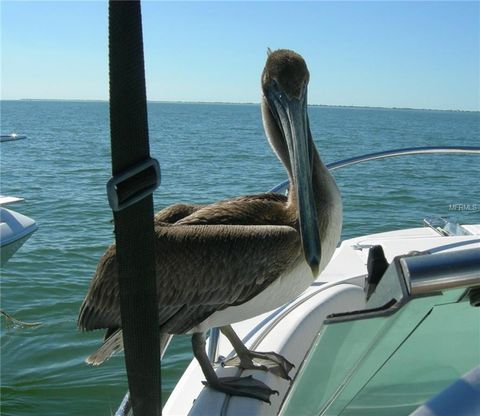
[(365, 107)]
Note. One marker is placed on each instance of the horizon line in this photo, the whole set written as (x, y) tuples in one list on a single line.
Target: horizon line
[(240, 103)]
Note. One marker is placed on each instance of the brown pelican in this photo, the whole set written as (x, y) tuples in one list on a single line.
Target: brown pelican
[(225, 262)]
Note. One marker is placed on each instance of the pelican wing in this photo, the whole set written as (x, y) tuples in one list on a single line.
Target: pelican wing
[(176, 212), (200, 269)]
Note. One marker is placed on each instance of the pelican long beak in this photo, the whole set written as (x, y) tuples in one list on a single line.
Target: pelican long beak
[(292, 119)]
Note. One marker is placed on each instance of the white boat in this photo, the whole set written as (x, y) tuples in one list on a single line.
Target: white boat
[(418, 332), (11, 137), (380, 331), (15, 228)]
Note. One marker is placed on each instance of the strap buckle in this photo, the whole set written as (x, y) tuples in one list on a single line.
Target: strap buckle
[(133, 184)]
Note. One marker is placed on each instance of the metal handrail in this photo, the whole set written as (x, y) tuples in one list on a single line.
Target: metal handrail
[(408, 151)]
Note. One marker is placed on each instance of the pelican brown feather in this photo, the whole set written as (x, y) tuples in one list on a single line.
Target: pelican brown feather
[(197, 251)]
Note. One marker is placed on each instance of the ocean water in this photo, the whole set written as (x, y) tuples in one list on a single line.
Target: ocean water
[(207, 152)]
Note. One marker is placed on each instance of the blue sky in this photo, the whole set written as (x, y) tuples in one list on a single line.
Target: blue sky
[(392, 54)]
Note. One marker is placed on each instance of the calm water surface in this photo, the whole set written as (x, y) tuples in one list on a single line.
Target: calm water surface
[(207, 152)]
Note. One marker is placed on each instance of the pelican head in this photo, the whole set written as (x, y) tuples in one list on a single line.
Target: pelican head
[(284, 84)]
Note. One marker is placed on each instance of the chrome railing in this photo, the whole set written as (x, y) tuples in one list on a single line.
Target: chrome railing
[(408, 151)]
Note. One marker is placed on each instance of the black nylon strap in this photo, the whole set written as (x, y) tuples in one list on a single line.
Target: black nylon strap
[(134, 225)]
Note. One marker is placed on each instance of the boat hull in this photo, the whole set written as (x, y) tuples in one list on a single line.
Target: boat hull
[(15, 229), (11, 137)]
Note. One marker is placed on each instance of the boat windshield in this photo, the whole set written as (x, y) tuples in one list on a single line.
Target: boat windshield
[(392, 359)]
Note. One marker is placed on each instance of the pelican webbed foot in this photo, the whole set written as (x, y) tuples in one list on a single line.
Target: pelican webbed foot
[(235, 386), (242, 386), (265, 361), (255, 360)]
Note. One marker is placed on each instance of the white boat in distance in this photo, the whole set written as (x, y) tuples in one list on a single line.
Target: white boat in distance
[(11, 137), (15, 228)]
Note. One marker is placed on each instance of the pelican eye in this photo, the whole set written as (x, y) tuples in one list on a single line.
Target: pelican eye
[(276, 88)]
